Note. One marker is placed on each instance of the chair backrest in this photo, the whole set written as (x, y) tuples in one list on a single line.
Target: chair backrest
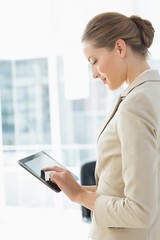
[(88, 173), (87, 176)]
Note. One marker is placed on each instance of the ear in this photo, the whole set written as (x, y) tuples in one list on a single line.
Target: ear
[(121, 46)]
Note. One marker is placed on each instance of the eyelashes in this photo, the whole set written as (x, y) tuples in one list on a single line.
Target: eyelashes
[(93, 62)]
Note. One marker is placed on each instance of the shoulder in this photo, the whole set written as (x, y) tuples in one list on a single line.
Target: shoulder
[(145, 94), (142, 104)]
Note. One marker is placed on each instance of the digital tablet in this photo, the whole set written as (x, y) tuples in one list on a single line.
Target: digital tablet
[(36, 162)]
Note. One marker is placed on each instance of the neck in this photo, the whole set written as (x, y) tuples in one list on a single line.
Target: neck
[(135, 70)]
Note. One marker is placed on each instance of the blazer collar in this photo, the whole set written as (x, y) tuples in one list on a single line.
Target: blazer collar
[(148, 75)]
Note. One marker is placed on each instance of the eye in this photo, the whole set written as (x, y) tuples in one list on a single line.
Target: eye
[(93, 62)]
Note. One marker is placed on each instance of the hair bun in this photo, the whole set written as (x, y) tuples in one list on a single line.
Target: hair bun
[(146, 29)]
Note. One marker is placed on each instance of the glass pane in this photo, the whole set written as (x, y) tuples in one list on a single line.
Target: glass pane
[(31, 98), (25, 102), (6, 99)]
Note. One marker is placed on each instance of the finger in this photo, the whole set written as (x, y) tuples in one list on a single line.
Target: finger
[(54, 177), (48, 169), (53, 168), (59, 169)]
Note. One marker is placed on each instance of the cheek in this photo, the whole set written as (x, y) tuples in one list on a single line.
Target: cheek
[(109, 64), (103, 68)]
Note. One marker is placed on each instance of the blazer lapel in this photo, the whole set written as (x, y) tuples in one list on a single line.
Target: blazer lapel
[(111, 114)]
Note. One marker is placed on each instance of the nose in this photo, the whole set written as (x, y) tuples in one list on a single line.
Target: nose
[(95, 74)]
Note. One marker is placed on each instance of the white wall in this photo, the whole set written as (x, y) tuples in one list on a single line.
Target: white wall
[(31, 27)]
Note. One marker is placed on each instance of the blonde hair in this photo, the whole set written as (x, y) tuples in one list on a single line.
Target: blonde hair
[(105, 29)]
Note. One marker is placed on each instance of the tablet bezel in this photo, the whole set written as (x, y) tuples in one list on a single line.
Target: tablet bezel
[(22, 162)]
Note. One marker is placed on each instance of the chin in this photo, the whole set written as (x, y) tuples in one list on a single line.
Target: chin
[(112, 88)]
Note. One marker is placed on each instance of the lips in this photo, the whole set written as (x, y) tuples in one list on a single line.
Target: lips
[(104, 80)]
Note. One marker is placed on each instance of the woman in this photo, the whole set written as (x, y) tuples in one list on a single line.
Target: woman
[(126, 199)]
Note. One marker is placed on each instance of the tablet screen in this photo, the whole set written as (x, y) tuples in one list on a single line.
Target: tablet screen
[(39, 162), (36, 162)]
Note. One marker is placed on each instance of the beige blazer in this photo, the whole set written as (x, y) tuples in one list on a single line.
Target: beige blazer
[(128, 166)]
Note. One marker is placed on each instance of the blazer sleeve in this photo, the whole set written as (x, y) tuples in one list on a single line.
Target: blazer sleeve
[(137, 132)]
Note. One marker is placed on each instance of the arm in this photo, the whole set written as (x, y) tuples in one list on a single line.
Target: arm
[(90, 188)]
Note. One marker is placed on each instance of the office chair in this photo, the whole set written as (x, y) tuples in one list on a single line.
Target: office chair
[(87, 178)]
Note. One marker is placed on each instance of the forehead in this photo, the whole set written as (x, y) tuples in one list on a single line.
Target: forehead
[(89, 50)]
